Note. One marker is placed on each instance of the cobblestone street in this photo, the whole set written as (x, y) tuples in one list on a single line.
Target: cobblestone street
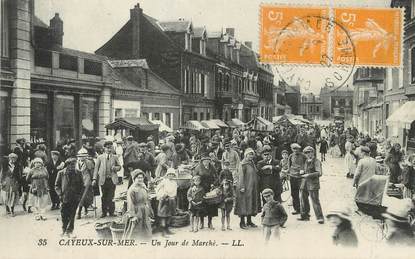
[(335, 189)]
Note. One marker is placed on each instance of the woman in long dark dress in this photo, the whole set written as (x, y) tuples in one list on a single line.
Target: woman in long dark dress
[(209, 178), (392, 160)]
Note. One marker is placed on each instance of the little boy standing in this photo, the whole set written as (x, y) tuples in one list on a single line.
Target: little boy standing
[(273, 216)]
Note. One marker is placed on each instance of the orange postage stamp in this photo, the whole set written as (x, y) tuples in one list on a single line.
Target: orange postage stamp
[(376, 35), (289, 35), (357, 36)]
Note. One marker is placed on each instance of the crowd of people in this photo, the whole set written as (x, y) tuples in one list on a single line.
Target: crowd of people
[(241, 169)]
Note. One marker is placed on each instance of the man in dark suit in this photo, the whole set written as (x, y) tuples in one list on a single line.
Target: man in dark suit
[(105, 173), (269, 173), (53, 166)]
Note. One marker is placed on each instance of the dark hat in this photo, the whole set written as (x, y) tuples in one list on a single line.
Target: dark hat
[(20, 140), (266, 149), (165, 147), (179, 147), (205, 156), (108, 143), (71, 141), (215, 143), (365, 149)]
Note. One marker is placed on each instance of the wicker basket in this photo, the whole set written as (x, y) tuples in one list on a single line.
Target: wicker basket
[(103, 230), (117, 231), (213, 200), (180, 220)]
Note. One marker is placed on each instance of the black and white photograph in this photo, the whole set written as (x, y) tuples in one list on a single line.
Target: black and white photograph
[(207, 129)]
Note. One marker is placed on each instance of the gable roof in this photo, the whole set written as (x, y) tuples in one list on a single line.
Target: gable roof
[(198, 32), (39, 23), (291, 90), (176, 26)]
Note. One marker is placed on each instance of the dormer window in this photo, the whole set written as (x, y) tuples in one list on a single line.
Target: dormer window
[(188, 41), (203, 47)]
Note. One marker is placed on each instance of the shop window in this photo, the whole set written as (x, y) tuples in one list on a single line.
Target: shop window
[(195, 116), (89, 116), (38, 118), (92, 67), (145, 115), (156, 116), (5, 119), (202, 84), (412, 66), (208, 116), (118, 113), (43, 58), (168, 119), (68, 62), (65, 117), (4, 38), (202, 116)]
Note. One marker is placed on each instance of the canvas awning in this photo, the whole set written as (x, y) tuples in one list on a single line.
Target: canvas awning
[(209, 124), (134, 123), (220, 123), (235, 123), (403, 116), (163, 126), (262, 124), (194, 125)]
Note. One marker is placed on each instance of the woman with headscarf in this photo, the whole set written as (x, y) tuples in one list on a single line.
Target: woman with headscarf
[(138, 224), (39, 191), (247, 197), (9, 182), (393, 158), (209, 179)]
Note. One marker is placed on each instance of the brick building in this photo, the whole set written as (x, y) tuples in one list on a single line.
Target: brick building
[(311, 107), (293, 98), (167, 49), (368, 99), (337, 102)]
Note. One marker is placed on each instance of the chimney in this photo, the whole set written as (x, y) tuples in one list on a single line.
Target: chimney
[(135, 18), (248, 44), (230, 31), (56, 27)]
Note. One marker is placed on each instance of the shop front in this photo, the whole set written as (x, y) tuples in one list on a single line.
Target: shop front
[(57, 117), (404, 119)]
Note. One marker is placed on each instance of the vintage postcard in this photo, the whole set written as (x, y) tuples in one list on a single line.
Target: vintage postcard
[(207, 129)]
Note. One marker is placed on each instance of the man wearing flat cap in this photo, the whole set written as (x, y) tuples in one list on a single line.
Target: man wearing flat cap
[(366, 167), (269, 173), (105, 174), (310, 186), (296, 162)]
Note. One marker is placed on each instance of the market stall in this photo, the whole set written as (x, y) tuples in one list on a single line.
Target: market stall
[(235, 123), (139, 127), (261, 124)]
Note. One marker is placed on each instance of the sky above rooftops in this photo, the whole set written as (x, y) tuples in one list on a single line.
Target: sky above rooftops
[(89, 24)]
